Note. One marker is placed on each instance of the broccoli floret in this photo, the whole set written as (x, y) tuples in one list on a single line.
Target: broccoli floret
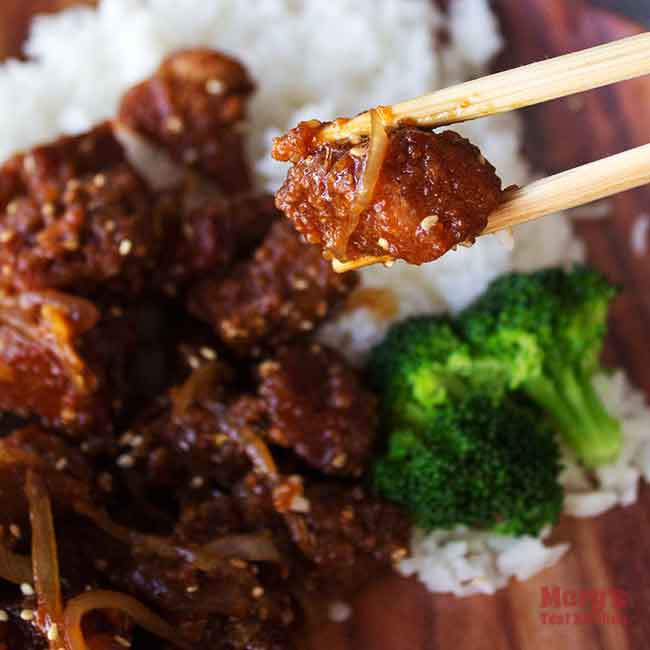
[(545, 331), (476, 463), (418, 367), (421, 364)]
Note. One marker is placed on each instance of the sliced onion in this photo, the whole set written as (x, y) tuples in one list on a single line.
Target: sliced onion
[(377, 147), (252, 548), (45, 561), (257, 451), (89, 601), (15, 568), (184, 396)]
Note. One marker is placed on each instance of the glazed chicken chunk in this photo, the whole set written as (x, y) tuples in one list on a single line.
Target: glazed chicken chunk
[(194, 107), (413, 196), (74, 214)]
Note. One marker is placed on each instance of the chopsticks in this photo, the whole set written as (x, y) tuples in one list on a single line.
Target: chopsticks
[(505, 91), (525, 86), (590, 182)]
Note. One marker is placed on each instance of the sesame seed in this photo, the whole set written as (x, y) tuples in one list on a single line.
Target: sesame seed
[(174, 124), (125, 247), (194, 362), (29, 164), (26, 589), (383, 243), (125, 461), (109, 226), (53, 632), (267, 368), (4, 617), (27, 614), (299, 284), (12, 208), (6, 236), (125, 643), (126, 438), (398, 554), (299, 504), (338, 612), (61, 464), (197, 482), (48, 210), (67, 415), (220, 439), (214, 86), (306, 325), (99, 180), (257, 592), (339, 460), (137, 441), (14, 529), (192, 588), (429, 222), (208, 353)]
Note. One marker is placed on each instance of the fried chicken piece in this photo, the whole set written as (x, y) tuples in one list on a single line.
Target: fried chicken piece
[(282, 292), (346, 525), (194, 107), (61, 361), (210, 238), (317, 405), (433, 192), (75, 215)]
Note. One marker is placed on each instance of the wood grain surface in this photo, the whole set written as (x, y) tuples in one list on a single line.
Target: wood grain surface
[(611, 550)]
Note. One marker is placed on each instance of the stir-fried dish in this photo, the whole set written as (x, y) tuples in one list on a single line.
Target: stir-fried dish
[(183, 465)]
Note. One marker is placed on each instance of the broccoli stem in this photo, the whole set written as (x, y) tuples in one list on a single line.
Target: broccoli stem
[(568, 394)]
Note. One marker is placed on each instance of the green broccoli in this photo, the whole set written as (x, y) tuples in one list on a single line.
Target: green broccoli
[(418, 366), (475, 463), (544, 331)]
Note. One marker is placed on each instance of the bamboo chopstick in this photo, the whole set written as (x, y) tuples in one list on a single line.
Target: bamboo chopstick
[(590, 182), (531, 84)]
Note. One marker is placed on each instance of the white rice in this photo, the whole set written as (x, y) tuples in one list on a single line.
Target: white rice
[(324, 59)]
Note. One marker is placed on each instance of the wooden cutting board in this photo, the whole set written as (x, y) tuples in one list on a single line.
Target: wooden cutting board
[(611, 551)]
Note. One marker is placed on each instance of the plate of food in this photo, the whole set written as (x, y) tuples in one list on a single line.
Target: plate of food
[(276, 377)]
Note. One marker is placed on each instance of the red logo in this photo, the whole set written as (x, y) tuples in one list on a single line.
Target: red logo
[(561, 606)]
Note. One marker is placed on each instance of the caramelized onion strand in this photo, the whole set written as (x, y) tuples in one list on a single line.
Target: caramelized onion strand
[(89, 601), (377, 148), (45, 561)]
